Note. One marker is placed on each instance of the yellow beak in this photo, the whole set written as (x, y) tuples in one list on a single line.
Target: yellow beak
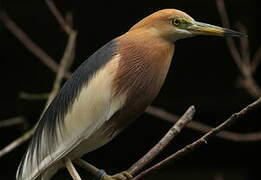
[(199, 28)]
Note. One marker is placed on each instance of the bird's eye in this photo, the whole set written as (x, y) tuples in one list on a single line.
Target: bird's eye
[(176, 22)]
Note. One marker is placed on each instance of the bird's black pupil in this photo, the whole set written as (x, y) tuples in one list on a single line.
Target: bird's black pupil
[(176, 21)]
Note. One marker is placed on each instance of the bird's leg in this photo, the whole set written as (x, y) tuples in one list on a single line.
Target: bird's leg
[(87, 166), (101, 174), (73, 172)]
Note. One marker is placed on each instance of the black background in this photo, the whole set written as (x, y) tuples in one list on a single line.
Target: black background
[(202, 73)]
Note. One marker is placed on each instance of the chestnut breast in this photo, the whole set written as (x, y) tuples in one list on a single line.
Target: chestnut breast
[(143, 66)]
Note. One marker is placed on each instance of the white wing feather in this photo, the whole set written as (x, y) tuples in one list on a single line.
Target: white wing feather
[(94, 105)]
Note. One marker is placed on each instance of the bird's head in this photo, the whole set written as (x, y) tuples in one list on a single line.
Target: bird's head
[(172, 25)]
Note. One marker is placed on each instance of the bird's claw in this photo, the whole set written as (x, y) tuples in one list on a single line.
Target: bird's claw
[(119, 176)]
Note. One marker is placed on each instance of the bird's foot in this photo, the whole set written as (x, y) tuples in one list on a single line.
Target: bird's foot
[(119, 176)]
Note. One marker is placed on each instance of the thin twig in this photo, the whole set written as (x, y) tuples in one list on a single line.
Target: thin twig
[(69, 19), (256, 59), (30, 96), (65, 26), (243, 63), (230, 42), (12, 121), (194, 125), (173, 132), (17, 142), (203, 140), (248, 81), (245, 53), (249, 84), (70, 167), (87, 166), (28, 43), (65, 63)]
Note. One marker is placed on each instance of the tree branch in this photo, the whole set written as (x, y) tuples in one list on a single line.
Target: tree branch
[(66, 61), (71, 169), (17, 142), (87, 166), (244, 46), (256, 59), (173, 132), (148, 157), (65, 26), (230, 42), (203, 140), (197, 126), (28, 43), (12, 121), (32, 96), (243, 63)]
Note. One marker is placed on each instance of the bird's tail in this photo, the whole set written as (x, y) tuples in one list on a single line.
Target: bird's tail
[(24, 172), (29, 168), (20, 171)]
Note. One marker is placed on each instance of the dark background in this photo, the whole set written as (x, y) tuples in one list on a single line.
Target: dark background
[(202, 73)]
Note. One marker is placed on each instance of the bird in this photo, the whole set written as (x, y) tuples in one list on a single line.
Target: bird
[(108, 91)]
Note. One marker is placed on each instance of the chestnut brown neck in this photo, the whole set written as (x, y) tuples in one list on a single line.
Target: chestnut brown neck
[(143, 66), (144, 58)]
